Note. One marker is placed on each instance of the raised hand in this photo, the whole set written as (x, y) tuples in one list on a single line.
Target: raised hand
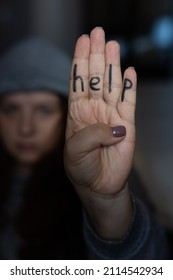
[(100, 135)]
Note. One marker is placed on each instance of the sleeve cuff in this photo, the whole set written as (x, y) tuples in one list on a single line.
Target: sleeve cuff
[(126, 248)]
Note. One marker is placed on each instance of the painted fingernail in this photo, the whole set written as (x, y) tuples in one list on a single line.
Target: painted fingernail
[(118, 131)]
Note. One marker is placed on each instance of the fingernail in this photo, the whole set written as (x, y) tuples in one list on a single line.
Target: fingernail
[(100, 27), (118, 131), (131, 67)]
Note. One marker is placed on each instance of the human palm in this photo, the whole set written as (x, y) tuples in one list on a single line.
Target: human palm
[(98, 100)]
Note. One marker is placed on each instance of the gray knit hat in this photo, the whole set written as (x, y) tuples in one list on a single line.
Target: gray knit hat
[(34, 64)]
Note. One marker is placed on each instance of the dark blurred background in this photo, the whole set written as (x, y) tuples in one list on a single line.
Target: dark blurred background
[(144, 28), (145, 31)]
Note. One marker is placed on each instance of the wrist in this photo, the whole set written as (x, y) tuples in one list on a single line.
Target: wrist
[(110, 216)]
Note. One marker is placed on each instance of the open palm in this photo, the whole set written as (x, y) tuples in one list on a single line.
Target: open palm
[(99, 99)]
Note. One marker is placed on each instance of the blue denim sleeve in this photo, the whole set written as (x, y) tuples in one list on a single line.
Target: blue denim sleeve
[(145, 239)]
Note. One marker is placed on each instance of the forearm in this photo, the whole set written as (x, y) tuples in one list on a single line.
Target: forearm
[(110, 215), (144, 239)]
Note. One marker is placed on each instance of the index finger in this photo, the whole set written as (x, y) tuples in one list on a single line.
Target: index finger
[(80, 69)]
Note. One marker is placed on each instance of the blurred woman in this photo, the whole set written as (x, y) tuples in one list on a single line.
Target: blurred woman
[(40, 213), (37, 203)]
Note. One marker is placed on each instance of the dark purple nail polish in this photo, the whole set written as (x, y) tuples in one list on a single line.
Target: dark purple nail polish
[(119, 131)]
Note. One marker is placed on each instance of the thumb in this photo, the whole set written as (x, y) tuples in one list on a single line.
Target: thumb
[(94, 136)]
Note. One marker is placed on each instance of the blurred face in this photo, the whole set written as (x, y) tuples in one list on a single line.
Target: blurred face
[(30, 124)]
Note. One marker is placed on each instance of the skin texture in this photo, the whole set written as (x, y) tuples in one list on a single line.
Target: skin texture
[(30, 125), (97, 162)]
